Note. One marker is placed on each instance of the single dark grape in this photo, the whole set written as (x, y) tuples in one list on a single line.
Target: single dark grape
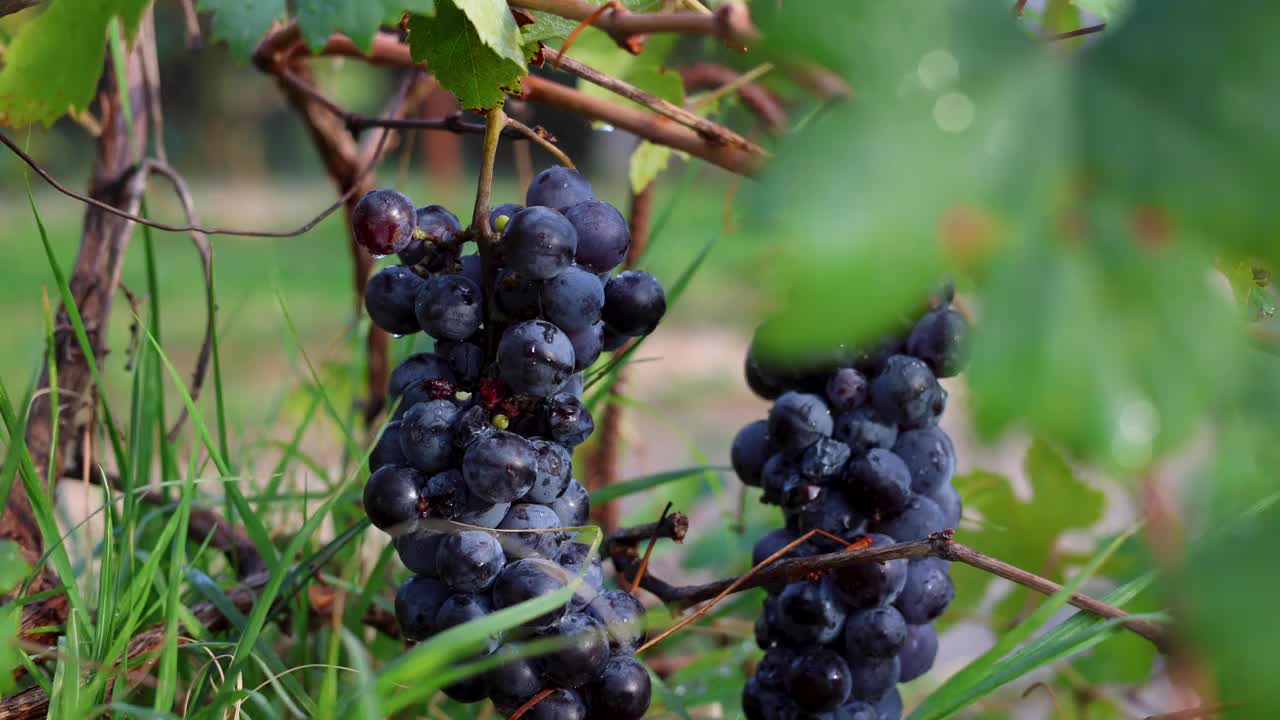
[(941, 339), (573, 300), (612, 339), (539, 243), (762, 703), (818, 680), (948, 499), (919, 519), (809, 613), (929, 456), (634, 303), (561, 704), (535, 358), (392, 496), (517, 297), (871, 357), (773, 668), (918, 653), (622, 691), (622, 616), (906, 392), (449, 307), (927, 592), (587, 345), (857, 710), (568, 420), (799, 493), (603, 236), (582, 650), (466, 690), (526, 579), (770, 543), (425, 436), (417, 550), (575, 385), (447, 495), (573, 557), (387, 450), (778, 473), (472, 267), (463, 607), (506, 209), (869, 584), (847, 389), (500, 467), (436, 228), (514, 682), (863, 431), (831, 513), (797, 420), (389, 298), (418, 370), (532, 517), (383, 221), (417, 602), (872, 677), (574, 506), (824, 459), (890, 706), (558, 187), (552, 471), (761, 381), (482, 513), (751, 448), (469, 560), (469, 426), (879, 484), (876, 632)]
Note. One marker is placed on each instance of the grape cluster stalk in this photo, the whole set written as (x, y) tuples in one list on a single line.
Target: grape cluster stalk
[(851, 449), (473, 475)]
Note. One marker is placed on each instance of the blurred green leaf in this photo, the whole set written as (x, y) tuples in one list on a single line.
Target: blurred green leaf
[(1023, 533), (1128, 659), (10, 653), (473, 48), (358, 19), (1083, 190), (1108, 10), (53, 63), (648, 161), (13, 567), (242, 24)]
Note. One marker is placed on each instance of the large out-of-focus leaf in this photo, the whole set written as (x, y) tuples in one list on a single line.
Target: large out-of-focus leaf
[(54, 62), (473, 47), (241, 24), (1085, 191), (1022, 532)]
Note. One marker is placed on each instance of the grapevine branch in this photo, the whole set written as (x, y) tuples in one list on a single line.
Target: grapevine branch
[(761, 102), (731, 23), (389, 50), (710, 130), (623, 550)]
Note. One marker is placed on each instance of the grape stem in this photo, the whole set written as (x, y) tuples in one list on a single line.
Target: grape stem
[(495, 122), (622, 549)]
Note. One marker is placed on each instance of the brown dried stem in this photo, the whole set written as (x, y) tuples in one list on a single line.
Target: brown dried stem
[(754, 97), (731, 23)]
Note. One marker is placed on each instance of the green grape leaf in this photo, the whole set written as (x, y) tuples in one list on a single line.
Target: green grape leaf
[(13, 567), (648, 161), (242, 24), (1021, 532), (358, 19), (53, 63), (473, 48), (553, 28), (1082, 191)]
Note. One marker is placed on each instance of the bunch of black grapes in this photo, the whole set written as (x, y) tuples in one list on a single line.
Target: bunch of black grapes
[(484, 428), (852, 447)]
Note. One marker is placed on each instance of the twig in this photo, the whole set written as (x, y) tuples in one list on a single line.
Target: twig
[(541, 139), (1078, 32), (731, 23), (938, 545), (486, 240), (1195, 713), (1019, 6), (756, 99), (389, 50), (672, 526), (648, 551), (639, 122), (191, 24), (710, 130)]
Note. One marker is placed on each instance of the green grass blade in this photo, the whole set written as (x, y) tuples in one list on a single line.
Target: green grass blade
[(681, 191), (648, 482), (167, 679), (369, 705), (256, 531), (77, 325), (953, 693)]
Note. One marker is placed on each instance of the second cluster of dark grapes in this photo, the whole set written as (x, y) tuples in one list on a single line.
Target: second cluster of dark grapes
[(852, 448), (473, 476)]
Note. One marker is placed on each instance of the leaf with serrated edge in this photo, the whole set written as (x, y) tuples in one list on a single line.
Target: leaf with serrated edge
[(358, 19), (464, 64), (241, 24)]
